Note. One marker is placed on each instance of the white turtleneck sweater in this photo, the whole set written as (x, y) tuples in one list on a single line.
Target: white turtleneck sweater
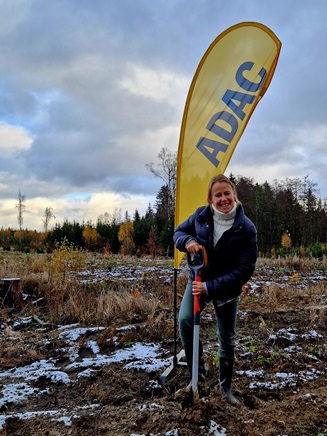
[(222, 222)]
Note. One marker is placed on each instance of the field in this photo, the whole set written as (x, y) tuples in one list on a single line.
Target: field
[(85, 351)]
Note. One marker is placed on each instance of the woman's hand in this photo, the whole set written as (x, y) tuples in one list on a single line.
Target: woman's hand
[(193, 247), (198, 288)]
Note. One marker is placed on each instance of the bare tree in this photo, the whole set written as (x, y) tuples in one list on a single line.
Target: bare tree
[(48, 215), (111, 218), (166, 170), (21, 206)]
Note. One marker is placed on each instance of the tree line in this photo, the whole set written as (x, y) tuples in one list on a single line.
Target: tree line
[(289, 215), (140, 235)]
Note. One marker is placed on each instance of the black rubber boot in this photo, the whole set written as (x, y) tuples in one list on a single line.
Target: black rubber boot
[(225, 378)]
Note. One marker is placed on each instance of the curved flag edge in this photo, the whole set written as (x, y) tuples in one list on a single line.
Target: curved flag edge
[(178, 256)]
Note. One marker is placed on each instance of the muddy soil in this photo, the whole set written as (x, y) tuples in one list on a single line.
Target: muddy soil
[(280, 380)]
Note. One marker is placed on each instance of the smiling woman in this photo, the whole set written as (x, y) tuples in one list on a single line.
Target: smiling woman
[(230, 241)]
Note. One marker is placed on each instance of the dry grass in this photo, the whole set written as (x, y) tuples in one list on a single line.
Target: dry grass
[(57, 295), (14, 351), (294, 263), (290, 289)]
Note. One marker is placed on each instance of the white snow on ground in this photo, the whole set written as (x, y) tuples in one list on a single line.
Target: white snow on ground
[(143, 356), (15, 382), (58, 415), (33, 372)]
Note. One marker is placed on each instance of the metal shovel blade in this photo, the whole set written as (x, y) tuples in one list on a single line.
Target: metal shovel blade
[(196, 262), (195, 363)]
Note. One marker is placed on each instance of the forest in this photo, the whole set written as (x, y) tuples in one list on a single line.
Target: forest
[(290, 216)]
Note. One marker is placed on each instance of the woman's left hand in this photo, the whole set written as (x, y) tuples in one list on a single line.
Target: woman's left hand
[(198, 288)]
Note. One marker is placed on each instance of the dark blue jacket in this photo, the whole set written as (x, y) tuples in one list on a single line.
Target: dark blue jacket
[(231, 263)]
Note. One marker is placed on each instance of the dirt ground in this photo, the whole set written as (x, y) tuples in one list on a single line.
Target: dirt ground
[(280, 380)]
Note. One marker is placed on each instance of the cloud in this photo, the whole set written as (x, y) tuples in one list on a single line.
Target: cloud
[(156, 85), (13, 139), (295, 158), (78, 207), (91, 91)]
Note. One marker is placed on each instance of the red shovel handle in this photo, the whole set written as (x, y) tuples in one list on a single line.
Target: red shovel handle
[(196, 308)]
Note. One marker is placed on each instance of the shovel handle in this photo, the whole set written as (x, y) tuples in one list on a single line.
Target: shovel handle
[(196, 338), (196, 307)]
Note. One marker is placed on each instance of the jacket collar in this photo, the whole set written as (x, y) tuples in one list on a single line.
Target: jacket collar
[(207, 214)]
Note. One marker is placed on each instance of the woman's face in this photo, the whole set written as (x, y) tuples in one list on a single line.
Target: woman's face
[(222, 197)]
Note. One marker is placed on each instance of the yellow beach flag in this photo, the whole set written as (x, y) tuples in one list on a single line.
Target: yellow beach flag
[(229, 82)]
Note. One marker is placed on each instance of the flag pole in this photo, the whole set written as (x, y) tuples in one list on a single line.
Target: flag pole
[(176, 357), (175, 317)]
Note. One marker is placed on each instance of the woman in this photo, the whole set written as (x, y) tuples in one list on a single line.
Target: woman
[(230, 240)]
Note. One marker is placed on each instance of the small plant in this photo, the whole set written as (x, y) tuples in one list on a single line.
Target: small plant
[(295, 277), (316, 349), (215, 359), (66, 258), (252, 345), (264, 360), (279, 354)]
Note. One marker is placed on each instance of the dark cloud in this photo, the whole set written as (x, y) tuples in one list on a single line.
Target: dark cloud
[(67, 77)]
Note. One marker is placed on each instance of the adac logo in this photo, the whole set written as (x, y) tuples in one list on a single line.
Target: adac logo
[(236, 101)]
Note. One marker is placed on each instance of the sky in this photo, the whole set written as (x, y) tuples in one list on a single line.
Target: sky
[(92, 90)]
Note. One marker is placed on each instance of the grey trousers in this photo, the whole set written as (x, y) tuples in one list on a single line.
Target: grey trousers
[(226, 323)]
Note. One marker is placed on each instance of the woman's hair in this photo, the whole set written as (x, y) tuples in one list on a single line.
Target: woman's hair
[(222, 178)]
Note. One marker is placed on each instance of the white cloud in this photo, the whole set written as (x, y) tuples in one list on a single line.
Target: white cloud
[(158, 85), (92, 96), (79, 208), (301, 151), (13, 139)]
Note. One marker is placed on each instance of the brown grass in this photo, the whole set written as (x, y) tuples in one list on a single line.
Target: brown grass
[(294, 263), (57, 295)]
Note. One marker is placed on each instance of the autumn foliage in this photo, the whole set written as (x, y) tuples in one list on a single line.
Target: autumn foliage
[(125, 236), (290, 218)]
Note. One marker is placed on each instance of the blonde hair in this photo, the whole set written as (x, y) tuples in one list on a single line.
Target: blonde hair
[(222, 178)]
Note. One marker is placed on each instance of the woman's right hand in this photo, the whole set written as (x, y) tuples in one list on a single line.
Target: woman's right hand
[(193, 247)]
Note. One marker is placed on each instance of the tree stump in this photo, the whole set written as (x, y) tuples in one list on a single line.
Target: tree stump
[(10, 292)]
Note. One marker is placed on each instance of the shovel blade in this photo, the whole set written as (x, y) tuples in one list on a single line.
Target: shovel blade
[(195, 363)]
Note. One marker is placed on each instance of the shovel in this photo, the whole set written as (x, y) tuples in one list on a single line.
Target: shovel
[(196, 262)]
